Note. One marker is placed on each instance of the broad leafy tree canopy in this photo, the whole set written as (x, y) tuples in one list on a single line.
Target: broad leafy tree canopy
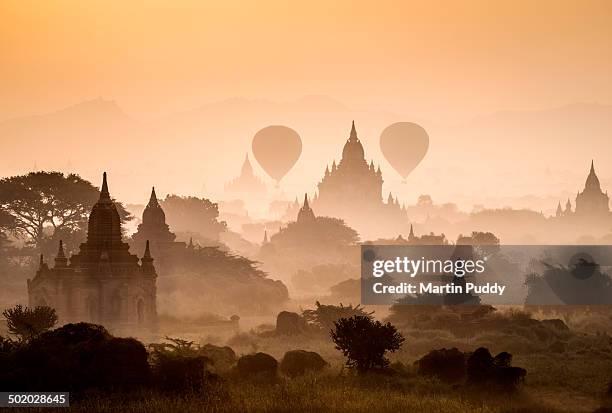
[(43, 205)]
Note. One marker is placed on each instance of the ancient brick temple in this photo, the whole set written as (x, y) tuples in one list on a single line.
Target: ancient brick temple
[(103, 283)]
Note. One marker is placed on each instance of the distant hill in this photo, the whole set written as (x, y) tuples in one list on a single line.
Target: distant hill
[(545, 153), (556, 131), (92, 131), (194, 151), (519, 153)]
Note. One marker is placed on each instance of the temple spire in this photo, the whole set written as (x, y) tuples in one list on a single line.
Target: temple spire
[(60, 260), (592, 181), (147, 253), (147, 261), (153, 199), (305, 214), (353, 132), (42, 266), (411, 234), (247, 169), (559, 211), (60, 252), (104, 194)]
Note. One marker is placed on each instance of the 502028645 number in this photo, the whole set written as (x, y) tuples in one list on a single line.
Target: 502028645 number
[(34, 399)]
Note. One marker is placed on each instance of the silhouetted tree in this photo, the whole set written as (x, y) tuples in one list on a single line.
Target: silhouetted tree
[(364, 342), (484, 243), (27, 323), (192, 214), (322, 233), (48, 205), (223, 277), (484, 238), (581, 283), (424, 201)]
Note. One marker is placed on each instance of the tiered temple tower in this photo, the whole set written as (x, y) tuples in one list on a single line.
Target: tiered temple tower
[(351, 181), (153, 227), (592, 204), (103, 283), (592, 200), (352, 190)]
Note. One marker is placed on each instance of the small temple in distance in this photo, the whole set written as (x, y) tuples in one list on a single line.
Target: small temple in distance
[(103, 283), (305, 214), (246, 185), (591, 204)]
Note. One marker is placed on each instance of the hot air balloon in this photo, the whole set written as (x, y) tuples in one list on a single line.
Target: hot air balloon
[(404, 145), (277, 148)]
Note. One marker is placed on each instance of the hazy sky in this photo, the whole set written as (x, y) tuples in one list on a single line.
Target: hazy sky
[(450, 58), (442, 64)]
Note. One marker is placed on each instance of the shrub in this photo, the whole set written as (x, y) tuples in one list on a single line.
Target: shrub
[(114, 364), (181, 367), (364, 342), (27, 323), (484, 369), (76, 357), (298, 362), (181, 373), (223, 358), (446, 364), (258, 365), (288, 323)]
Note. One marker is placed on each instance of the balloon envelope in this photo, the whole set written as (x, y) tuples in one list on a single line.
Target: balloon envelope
[(404, 145), (277, 148)]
